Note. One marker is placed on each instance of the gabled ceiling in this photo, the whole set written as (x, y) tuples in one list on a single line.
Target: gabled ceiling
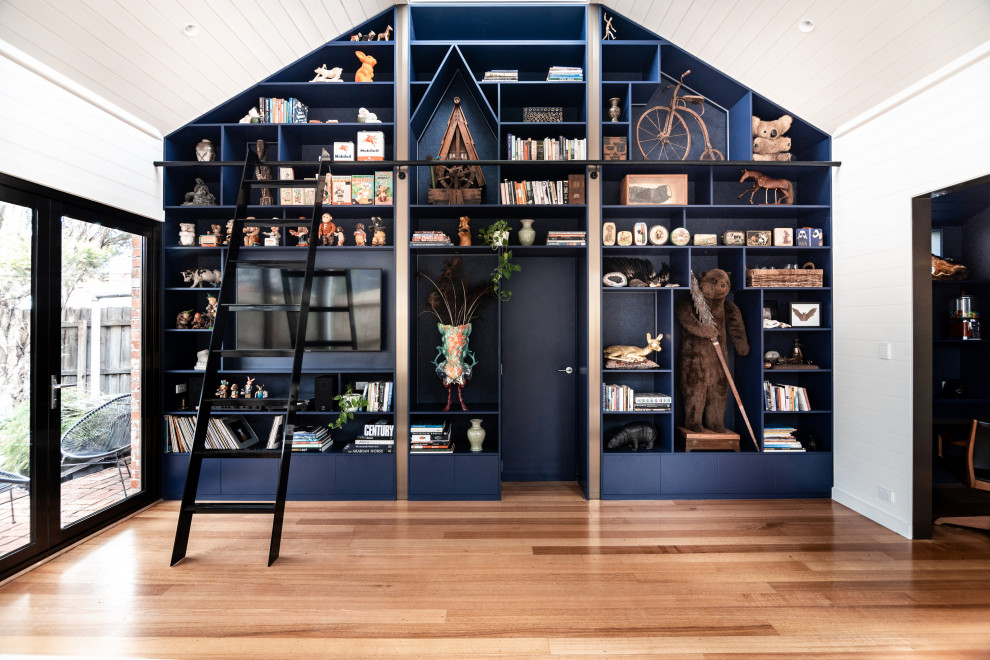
[(133, 52)]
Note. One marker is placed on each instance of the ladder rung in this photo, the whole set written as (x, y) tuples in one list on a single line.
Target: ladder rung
[(266, 403), (246, 307), (258, 352), (327, 343), (240, 453), (287, 264), (230, 507), (282, 183), (275, 222)]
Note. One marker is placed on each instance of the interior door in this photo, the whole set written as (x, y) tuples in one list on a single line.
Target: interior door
[(539, 372)]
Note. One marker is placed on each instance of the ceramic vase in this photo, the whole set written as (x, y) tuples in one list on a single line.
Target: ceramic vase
[(204, 151), (476, 435), (527, 234), (455, 361), (614, 111)]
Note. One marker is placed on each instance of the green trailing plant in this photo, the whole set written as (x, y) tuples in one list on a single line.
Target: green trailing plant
[(347, 403), (496, 236)]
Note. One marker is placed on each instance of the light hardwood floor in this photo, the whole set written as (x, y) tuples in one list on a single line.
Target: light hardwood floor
[(541, 573)]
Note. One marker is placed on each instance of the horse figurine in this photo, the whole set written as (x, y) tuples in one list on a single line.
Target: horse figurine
[(762, 181)]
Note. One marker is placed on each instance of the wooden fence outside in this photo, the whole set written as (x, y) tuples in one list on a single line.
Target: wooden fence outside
[(115, 348)]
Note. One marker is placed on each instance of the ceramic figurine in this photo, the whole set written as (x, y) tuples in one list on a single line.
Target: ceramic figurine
[(200, 195), (327, 230), (187, 233), (367, 72), (365, 117), (197, 321), (216, 230), (251, 236), (386, 35), (222, 390), (205, 152), (230, 230), (260, 394), (339, 235), (273, 237), (301, 234), (211, 310), (359, 236), (183, 320), (323, 74), (263, 173), (234, 392), (201, 358), (247, 387), (252, 117), (464, 231), (202, 276), (377, 231)]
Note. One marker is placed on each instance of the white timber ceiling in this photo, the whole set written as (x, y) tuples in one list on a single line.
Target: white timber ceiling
[(133, 52)]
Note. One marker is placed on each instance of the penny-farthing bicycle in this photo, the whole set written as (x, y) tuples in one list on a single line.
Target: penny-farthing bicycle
[(662, 132)]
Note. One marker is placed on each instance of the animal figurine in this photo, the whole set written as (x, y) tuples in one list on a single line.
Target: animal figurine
[(323, 74), (302, 236), (766, 183), (703, 382), (768, 140), (230, 231), (359, 235), (234, 391), (222, 390), (356, 37), (201, 277), (200, 195), (338, 236), (366, 72), (633, 354), (327, 230), (247, 387), (211, 310), (377, 231), (187, 233), (273, 236), (947, 269), (386, 35), (198, 323), (633, 435), (216, 230), (251, 236), (383, 196), (464, 231), (184, 319), (637, 272), (370, 36), (252, 117), (367, 117)]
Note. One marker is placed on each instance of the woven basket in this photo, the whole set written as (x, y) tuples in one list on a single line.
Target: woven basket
[(806, 276)]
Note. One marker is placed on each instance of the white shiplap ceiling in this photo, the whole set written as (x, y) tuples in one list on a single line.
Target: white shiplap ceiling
[(133, 53)]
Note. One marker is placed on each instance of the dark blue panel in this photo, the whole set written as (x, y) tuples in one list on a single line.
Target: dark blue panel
[(631, 475), (239, 477), (311, 476), (431, 476), (366, 477), (689, 474), (745, 474), (174, 467), (803, 474), (476, 475)]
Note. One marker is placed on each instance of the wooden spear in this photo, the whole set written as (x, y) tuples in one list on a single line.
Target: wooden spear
[(705, 316)]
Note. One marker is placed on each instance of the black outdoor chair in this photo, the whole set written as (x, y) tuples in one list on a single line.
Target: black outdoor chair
[(8, 482), (101, 437)]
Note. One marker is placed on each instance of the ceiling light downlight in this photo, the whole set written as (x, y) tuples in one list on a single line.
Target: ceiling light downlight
[(190, 30), (806, 25)]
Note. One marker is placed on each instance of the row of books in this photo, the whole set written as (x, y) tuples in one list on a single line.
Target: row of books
[(565, 73), (378, 438), (562, 237), (547, 149), (430, 439), (533, 192), (622, 398), (283, 111), (430, 237), (785, 397), (780, 439), (316, 439), (228, 432), (378, 394), (502, 75)]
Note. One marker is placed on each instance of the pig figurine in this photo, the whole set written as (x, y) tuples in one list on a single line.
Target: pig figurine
[(634, 434)]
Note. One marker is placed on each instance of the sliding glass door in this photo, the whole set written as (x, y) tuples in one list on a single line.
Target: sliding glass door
[(76, 293)]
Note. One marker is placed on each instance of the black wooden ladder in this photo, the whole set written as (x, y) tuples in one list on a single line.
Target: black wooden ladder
[(220, 349)]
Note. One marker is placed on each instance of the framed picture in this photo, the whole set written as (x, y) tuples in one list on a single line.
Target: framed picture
[(758, 238), (770, 312), (806, 314), (783, 236), (653, 189)]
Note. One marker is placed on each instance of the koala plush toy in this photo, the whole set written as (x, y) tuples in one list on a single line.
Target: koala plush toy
[(769, 142)]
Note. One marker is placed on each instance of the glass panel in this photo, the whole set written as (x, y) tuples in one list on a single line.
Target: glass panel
[(101, 368), (15, 374)]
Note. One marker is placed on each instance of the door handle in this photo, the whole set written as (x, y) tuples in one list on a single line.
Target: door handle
[(568, 370), (56, 386)]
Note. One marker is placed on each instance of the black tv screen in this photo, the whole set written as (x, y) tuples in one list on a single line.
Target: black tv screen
[(345, 315)]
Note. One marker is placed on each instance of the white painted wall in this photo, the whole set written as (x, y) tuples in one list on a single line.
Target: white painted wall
[(934, 136), (55, 133)]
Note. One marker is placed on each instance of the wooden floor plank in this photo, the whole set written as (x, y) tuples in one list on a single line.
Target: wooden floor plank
[(543, 573)]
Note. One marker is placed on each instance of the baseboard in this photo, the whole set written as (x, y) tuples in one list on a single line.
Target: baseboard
[(873, 513)]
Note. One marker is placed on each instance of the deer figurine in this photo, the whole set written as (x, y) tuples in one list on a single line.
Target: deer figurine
[(633, 354)]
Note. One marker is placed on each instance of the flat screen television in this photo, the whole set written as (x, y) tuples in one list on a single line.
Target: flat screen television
[(345, 314)]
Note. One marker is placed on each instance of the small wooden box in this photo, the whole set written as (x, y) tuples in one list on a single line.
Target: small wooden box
[(614, 148), (575, 189), (551, 114), (648, 189), (727, 441)]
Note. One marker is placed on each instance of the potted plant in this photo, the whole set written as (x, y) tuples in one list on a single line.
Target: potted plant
[(348, 402), (496, 236)]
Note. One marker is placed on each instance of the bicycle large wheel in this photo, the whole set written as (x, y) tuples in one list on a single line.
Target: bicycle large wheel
[(654, 144)]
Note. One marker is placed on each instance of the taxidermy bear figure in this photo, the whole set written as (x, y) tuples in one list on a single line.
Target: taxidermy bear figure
[(703, 382)]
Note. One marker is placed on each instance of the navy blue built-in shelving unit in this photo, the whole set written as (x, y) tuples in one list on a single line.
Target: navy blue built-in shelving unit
[(319, 476), (636, 66)]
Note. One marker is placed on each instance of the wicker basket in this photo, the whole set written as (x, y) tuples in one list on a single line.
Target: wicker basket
[(806, 276)]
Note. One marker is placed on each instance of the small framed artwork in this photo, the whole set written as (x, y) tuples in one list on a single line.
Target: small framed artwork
[(654, 189), (783, 236), (639, 233), (758, 238), (806, 314), (733, 237), (608, 233), (770, 310), (658, 235)]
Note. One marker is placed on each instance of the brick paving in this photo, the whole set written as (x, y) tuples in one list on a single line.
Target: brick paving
[(81, 497)]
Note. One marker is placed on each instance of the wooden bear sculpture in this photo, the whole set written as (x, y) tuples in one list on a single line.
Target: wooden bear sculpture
[(703, 383)]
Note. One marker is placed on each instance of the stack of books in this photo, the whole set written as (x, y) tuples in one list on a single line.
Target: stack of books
[(378, 438), (317, 439), (622, 398), (785, 397), (780, 439), (502, 75), (567, 238), (430, 439), (379, 396), (430, 237), (572, 73)]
